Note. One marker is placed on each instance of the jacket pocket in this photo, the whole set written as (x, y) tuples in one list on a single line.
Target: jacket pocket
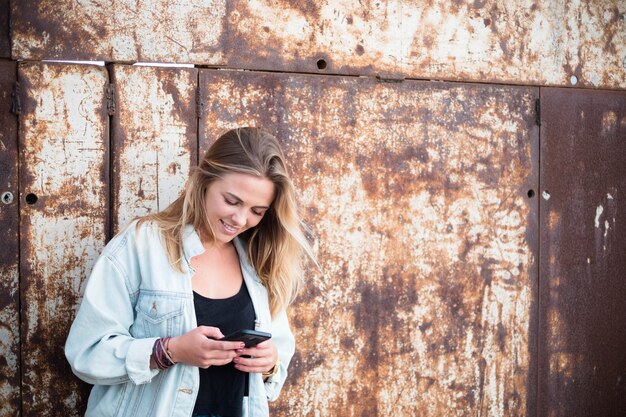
[(159, 314)]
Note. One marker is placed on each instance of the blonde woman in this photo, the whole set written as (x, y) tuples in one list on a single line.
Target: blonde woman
[(225, 256)]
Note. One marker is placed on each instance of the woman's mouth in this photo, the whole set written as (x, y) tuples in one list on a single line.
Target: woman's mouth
[(231, 230)]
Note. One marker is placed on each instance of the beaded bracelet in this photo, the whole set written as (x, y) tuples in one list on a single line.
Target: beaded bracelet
[(161, 355)]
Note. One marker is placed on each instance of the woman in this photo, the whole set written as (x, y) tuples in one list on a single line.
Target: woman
[(224, 256)]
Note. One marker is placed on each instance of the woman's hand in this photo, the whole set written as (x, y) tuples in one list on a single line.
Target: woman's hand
[(262, 358), (200, 347)]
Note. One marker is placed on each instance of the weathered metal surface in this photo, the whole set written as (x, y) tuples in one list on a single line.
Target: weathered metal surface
[(417, 195), (5, 42), (9, 252), (155, 138), (119, 31), (582, 363), (517, 41), (63, 141)]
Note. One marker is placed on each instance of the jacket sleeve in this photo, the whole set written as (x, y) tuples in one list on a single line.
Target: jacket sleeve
[(99, 347), (285, 344)]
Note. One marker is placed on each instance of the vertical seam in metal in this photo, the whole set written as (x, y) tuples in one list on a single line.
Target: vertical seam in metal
[(19, 253), (538, 313), (109, 215), (198, 115)]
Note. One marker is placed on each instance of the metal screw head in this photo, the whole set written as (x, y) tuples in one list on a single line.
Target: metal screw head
[(7, 197)]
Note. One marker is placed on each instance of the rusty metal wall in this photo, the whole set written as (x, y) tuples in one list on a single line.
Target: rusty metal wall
[(154, 140), (517, 41), (583, 264), (5, 42), (9, 252), (64, 176), (418, 195), (424, 196), (120, 31)]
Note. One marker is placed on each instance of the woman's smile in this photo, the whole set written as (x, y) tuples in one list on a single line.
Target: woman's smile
[(230, 229), (237, 202)]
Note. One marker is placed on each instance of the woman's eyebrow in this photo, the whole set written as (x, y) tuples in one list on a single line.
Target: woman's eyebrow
[(239, 200), (233, 196)]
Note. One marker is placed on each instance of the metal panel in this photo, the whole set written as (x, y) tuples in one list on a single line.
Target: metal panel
[(9, 254), (119, 31), (519, 41), (63, 142), (418, 196), (155, 138), (583, 313), (5, 42), (490, 41)]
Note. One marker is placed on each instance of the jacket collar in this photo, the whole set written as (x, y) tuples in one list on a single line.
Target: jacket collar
[(192, 246)]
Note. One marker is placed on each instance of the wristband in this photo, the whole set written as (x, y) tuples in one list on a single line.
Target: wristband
[(161, 356)]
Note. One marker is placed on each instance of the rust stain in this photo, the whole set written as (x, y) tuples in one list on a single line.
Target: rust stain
[(5, 41), (581, 316), (63, 154), (154, 136), (9, 255), (123, 31), (609, 122), (414, 192), (487, 41)]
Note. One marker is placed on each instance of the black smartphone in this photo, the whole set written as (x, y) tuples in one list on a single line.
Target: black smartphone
[(249, 337)]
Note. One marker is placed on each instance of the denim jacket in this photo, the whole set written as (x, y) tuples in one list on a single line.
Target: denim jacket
[(134, 296)]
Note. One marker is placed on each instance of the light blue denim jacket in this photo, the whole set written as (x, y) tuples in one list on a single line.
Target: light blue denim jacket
[(133, 296)]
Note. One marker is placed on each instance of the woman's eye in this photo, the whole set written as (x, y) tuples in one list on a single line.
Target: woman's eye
[(230, 203), (257, 213)]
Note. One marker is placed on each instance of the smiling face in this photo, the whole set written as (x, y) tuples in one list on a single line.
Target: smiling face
[(237, 202)]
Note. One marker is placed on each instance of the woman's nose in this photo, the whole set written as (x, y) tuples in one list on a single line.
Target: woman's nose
[(239, 218)]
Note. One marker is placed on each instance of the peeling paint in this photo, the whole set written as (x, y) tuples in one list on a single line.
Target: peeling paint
[(63, 162), (599, 211), (414, 193), (9, 254), (122, 31), (154, 136), (609, 122), (528, 42)]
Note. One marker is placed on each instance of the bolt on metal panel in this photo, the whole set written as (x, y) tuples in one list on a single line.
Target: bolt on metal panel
[(64, 174), (154, 138), (417, 194), (120, 31), (9, 254), (582, 365), (521, 42)]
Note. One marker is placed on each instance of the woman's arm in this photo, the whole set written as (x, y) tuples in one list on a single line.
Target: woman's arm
[(99, 346)]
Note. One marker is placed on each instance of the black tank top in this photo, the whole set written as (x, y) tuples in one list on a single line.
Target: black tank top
[(222, 388)]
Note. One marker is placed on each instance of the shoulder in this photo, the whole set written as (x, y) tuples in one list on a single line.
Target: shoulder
[(133, 238)]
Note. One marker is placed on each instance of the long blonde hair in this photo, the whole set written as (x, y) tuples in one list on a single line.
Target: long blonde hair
[(275, 246)]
